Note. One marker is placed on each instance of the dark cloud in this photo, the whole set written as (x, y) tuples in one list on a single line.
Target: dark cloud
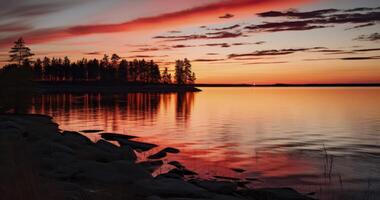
[(179, 46), (320, 59), (362, 26), (371, 37), (346, 58), (227, 28), (362, 9), (341, 51), (226, 16), (224, 34), (224, 45), (211, 35), (298, 15), (247, 43), (208, 60), (145, 49), (332, 51), (284, 26), (141, 56), (149, 48), (146, 56), (173, 32), (26, 10), (265, 63), (93, 53), (14, 27), (212, 54), (181, 37), (251, 58), (361, 58), (316, 19), (366, 50), (273, 52), (260, 42)]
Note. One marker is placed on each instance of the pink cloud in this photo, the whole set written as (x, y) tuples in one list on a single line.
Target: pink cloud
[(194, 15)]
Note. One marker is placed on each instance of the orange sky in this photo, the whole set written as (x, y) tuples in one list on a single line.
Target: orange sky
[(227, 41)]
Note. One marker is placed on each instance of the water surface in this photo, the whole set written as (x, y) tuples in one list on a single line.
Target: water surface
[(323, 140)]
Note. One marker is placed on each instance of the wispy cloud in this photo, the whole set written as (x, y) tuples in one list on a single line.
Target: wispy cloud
[(211, 35), (227, 16), (173, 19), (317, 19), (14, 27), (272, 52), (208, 60), (371, 37), (93, 53), (297, 14)]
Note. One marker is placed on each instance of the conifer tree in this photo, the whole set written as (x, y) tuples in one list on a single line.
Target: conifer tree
[(19, 52)]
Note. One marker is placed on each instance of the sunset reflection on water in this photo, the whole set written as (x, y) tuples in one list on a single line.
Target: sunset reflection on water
[(275, 134)]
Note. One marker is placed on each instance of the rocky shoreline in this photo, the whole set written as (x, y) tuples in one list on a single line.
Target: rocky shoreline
[(40, 161)]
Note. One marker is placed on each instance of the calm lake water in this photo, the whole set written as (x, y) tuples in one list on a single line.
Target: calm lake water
[(323, 140)]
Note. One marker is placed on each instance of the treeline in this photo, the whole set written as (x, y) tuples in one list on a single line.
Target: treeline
[(106, 69)]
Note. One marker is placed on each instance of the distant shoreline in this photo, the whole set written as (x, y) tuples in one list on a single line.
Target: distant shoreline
[(111, 87), (293, 85)]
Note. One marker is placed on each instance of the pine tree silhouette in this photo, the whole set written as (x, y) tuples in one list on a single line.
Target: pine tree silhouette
[(19, 52)]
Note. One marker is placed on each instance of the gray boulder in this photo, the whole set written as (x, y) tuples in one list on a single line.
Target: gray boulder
[(222, 187)]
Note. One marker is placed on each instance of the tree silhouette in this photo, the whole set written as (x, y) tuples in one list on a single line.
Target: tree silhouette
[(183, 72), (105, 70), (179, 72), (37, 70), (166, 77), (19, 52)]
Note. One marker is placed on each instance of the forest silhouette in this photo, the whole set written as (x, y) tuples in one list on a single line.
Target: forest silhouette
[(110, 69)]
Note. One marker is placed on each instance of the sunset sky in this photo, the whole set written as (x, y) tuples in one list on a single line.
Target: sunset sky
[(228, 41)]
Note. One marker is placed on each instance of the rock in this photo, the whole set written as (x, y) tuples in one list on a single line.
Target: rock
[(176, 164), (47, 147), (169, 175), (128, 153), (222, 187), (151, 166), (227, 178), (183, 172), (106, 146), (168, 187), (163, 153), (238, 170), (90, 131), (225, 197), (141, 146), (117, 172), (116, 136), (11, 125), (171, 150), (211, 197), (92, 152), (158, 155), (274, 194), (153, 198), (57, 159), (242, 184), (253, 179), (75, 137), (124, 153)]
